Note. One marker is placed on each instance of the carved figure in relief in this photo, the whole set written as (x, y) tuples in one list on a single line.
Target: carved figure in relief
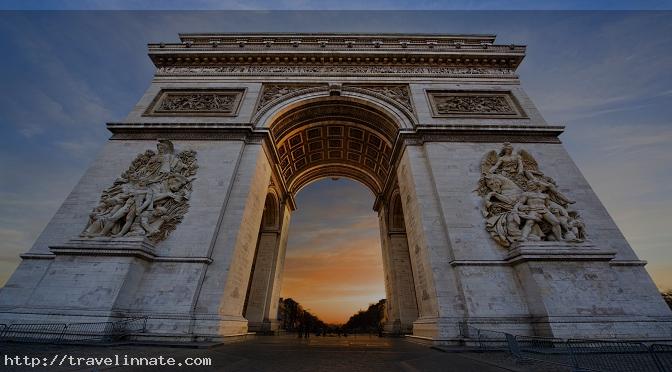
[(533, 207), (521, 204), (149, 199), (197, 102), (510, 163), (472, 104)]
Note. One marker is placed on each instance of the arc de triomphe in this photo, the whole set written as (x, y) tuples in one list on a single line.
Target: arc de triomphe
[(484, 217)]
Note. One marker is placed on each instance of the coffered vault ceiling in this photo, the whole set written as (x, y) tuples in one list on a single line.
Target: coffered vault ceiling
[(334, 138)]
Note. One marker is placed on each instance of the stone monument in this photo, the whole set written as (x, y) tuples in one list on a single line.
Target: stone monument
[(484, 218)]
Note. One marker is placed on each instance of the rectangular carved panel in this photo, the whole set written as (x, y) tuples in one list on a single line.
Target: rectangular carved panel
[(484, 104), (196, 102)]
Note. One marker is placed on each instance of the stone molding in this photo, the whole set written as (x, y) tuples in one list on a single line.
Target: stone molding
[(326, 41), (196, 102), (557, 251), (139, 247), (547, 251), (474, 104), (483, 133), (182, 131), (37, 256), (336, 70), (628, 263), (246, 53)]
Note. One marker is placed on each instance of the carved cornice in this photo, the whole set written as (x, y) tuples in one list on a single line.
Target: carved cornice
[(329, 54), (181, 131), (483, 133), (337, 70), (421, 134), (336, 39)]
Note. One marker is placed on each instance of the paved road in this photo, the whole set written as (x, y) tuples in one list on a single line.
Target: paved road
[(279, 353)]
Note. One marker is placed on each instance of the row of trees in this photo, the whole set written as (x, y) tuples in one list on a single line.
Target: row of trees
[(369, 320), (293, 317)]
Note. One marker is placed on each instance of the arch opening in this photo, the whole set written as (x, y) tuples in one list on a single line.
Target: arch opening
[(333, 264), (334, 137)]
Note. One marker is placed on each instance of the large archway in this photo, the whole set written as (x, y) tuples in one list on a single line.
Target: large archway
[(329, 137), (235, 124)]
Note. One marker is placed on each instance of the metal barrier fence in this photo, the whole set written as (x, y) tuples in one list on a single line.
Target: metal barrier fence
[(578, 354), (546, 349), (57, 333), (40, 333), (614, 356), (663, 356)]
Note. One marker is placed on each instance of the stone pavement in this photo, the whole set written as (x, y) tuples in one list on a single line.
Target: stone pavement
[(279, 353)]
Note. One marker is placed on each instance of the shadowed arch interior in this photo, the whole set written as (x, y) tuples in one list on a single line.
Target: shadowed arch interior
[(397, 223), (334, 138)]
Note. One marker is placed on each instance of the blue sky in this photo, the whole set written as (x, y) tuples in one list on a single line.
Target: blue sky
[(336, 4), (605, 75)]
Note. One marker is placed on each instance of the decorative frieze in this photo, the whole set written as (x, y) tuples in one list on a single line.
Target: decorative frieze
[(474, 103), (326, 69), (202, 102), (521, 204)]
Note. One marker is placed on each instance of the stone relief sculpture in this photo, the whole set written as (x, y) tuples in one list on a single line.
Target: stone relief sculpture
[(398, 93), (522, 204), (272, 92), (326, 69), (209, 102), (149, 199), (448, 104)]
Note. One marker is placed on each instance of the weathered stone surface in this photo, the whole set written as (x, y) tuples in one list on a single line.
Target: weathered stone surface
[(420, 151)]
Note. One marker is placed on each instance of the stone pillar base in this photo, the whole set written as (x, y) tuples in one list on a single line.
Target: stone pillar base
[(265, 327), (438, 330), (397, 328)]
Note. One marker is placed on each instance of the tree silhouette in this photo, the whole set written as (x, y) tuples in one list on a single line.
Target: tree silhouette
[(370, 319)]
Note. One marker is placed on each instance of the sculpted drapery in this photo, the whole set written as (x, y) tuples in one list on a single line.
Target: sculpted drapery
[(149, 199), (521, 204)]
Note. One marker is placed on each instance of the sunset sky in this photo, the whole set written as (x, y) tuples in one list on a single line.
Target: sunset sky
[(605, 75), (334, 264)]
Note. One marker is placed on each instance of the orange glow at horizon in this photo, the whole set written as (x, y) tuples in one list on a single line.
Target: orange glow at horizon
[(333, 265)]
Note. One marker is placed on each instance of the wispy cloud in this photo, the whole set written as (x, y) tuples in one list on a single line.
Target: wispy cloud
[(334, 260), (606, 75)]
